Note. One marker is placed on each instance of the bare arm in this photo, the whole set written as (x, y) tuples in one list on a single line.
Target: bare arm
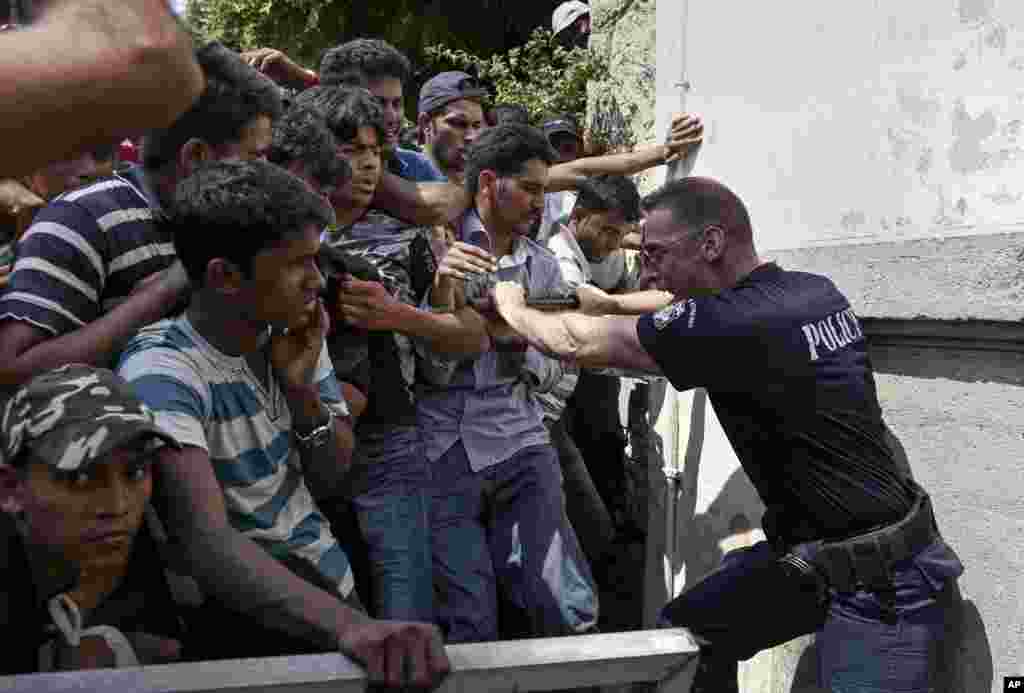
[(233, 568), (594, 301), (588, 341), (423, 204), (26, 350), (49, 74), (687, 132)]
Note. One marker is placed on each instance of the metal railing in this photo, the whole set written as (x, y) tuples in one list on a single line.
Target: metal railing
[(668, 657)]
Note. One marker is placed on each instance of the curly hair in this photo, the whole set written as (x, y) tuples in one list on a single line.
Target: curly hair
[(302, 135), (346, 109), (372, 58)]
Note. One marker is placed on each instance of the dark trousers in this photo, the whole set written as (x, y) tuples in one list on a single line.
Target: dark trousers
[(866, 642), (501, 535), (583, 504), (592, 419)]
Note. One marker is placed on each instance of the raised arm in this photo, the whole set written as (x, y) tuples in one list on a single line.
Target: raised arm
[(687, 132), (423, 204), (589, 341), (50, 106)]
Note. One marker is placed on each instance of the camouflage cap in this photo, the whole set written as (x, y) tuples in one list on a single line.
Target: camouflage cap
[(73, 416)]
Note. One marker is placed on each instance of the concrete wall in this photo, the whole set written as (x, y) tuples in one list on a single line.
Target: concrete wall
[(876, 143)]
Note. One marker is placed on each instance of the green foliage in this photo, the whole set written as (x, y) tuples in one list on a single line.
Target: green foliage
[(437, 35), (540, 75)]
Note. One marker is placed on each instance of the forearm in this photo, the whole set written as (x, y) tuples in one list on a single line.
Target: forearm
[(325, 467), (424, 204), (567, 176), (98, 343), (641, 302), (135, 48), (460, 334), (243, 576), (554, 334)]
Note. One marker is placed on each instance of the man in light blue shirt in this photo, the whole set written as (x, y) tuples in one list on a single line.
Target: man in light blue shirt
[(498, 517)]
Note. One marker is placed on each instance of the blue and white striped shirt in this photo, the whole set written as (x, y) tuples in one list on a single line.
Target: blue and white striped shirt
[(215, 402), (84, 254)]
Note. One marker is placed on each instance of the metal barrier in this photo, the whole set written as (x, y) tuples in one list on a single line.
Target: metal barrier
[(668, 657)]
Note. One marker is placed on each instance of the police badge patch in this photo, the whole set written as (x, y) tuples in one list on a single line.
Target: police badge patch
[(669, 314)]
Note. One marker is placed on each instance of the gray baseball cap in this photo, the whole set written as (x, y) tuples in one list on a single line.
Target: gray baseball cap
[(74, 415), (440, 90)]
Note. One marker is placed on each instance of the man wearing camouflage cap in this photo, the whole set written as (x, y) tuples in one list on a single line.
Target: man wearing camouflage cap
[(82, 585)]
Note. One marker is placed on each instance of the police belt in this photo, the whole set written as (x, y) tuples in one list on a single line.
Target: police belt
[(865, 561)]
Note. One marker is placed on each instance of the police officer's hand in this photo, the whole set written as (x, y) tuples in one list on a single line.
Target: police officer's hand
[(687, 132), (397, 653)]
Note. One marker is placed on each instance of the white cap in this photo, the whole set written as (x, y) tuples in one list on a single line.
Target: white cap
[(567, 13)]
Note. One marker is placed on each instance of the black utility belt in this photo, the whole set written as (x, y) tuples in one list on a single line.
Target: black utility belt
[(866, 561)]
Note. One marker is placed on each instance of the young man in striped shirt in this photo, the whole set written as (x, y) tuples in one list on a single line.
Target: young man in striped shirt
[(244, 382), (88, 270)]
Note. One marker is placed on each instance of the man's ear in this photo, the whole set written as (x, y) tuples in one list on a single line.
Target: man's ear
[(223, 276), (12, 490), (712, 245), (192, 154)]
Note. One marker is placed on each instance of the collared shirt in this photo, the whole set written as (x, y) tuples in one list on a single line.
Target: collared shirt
[(214, 401), (414, 166), (84, 253), (575, 270), (487, 402)]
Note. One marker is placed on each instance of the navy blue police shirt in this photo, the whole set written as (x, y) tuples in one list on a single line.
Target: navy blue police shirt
[(785, 364)]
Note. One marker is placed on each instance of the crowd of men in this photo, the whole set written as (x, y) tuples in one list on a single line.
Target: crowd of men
[(289, 386)]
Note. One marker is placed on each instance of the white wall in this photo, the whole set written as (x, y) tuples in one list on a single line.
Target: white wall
[(879, 143), (862, 121)]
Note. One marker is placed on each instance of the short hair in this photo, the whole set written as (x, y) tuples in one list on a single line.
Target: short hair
[(301, 134), (699, 202), (505, 149), (235, 95), (508, 113), (236, 210), (346, 109), (608, 193), (373, 58)]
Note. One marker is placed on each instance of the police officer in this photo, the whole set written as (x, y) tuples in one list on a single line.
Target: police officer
[(853, 552)]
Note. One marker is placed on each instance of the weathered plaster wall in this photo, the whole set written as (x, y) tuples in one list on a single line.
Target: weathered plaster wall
[(624, 31), (877, 143), (873, 121)]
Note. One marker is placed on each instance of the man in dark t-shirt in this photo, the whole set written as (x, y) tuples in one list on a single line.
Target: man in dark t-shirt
[(853, 551)]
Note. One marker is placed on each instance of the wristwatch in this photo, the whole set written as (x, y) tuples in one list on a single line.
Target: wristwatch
[(318, 437)]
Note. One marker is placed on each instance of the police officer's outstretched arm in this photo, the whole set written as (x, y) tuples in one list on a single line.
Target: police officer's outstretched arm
[(89, 72), (589, 341)]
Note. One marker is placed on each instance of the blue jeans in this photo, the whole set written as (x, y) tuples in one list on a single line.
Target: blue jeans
[(391, 499), (503, 533), (864, 645)]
